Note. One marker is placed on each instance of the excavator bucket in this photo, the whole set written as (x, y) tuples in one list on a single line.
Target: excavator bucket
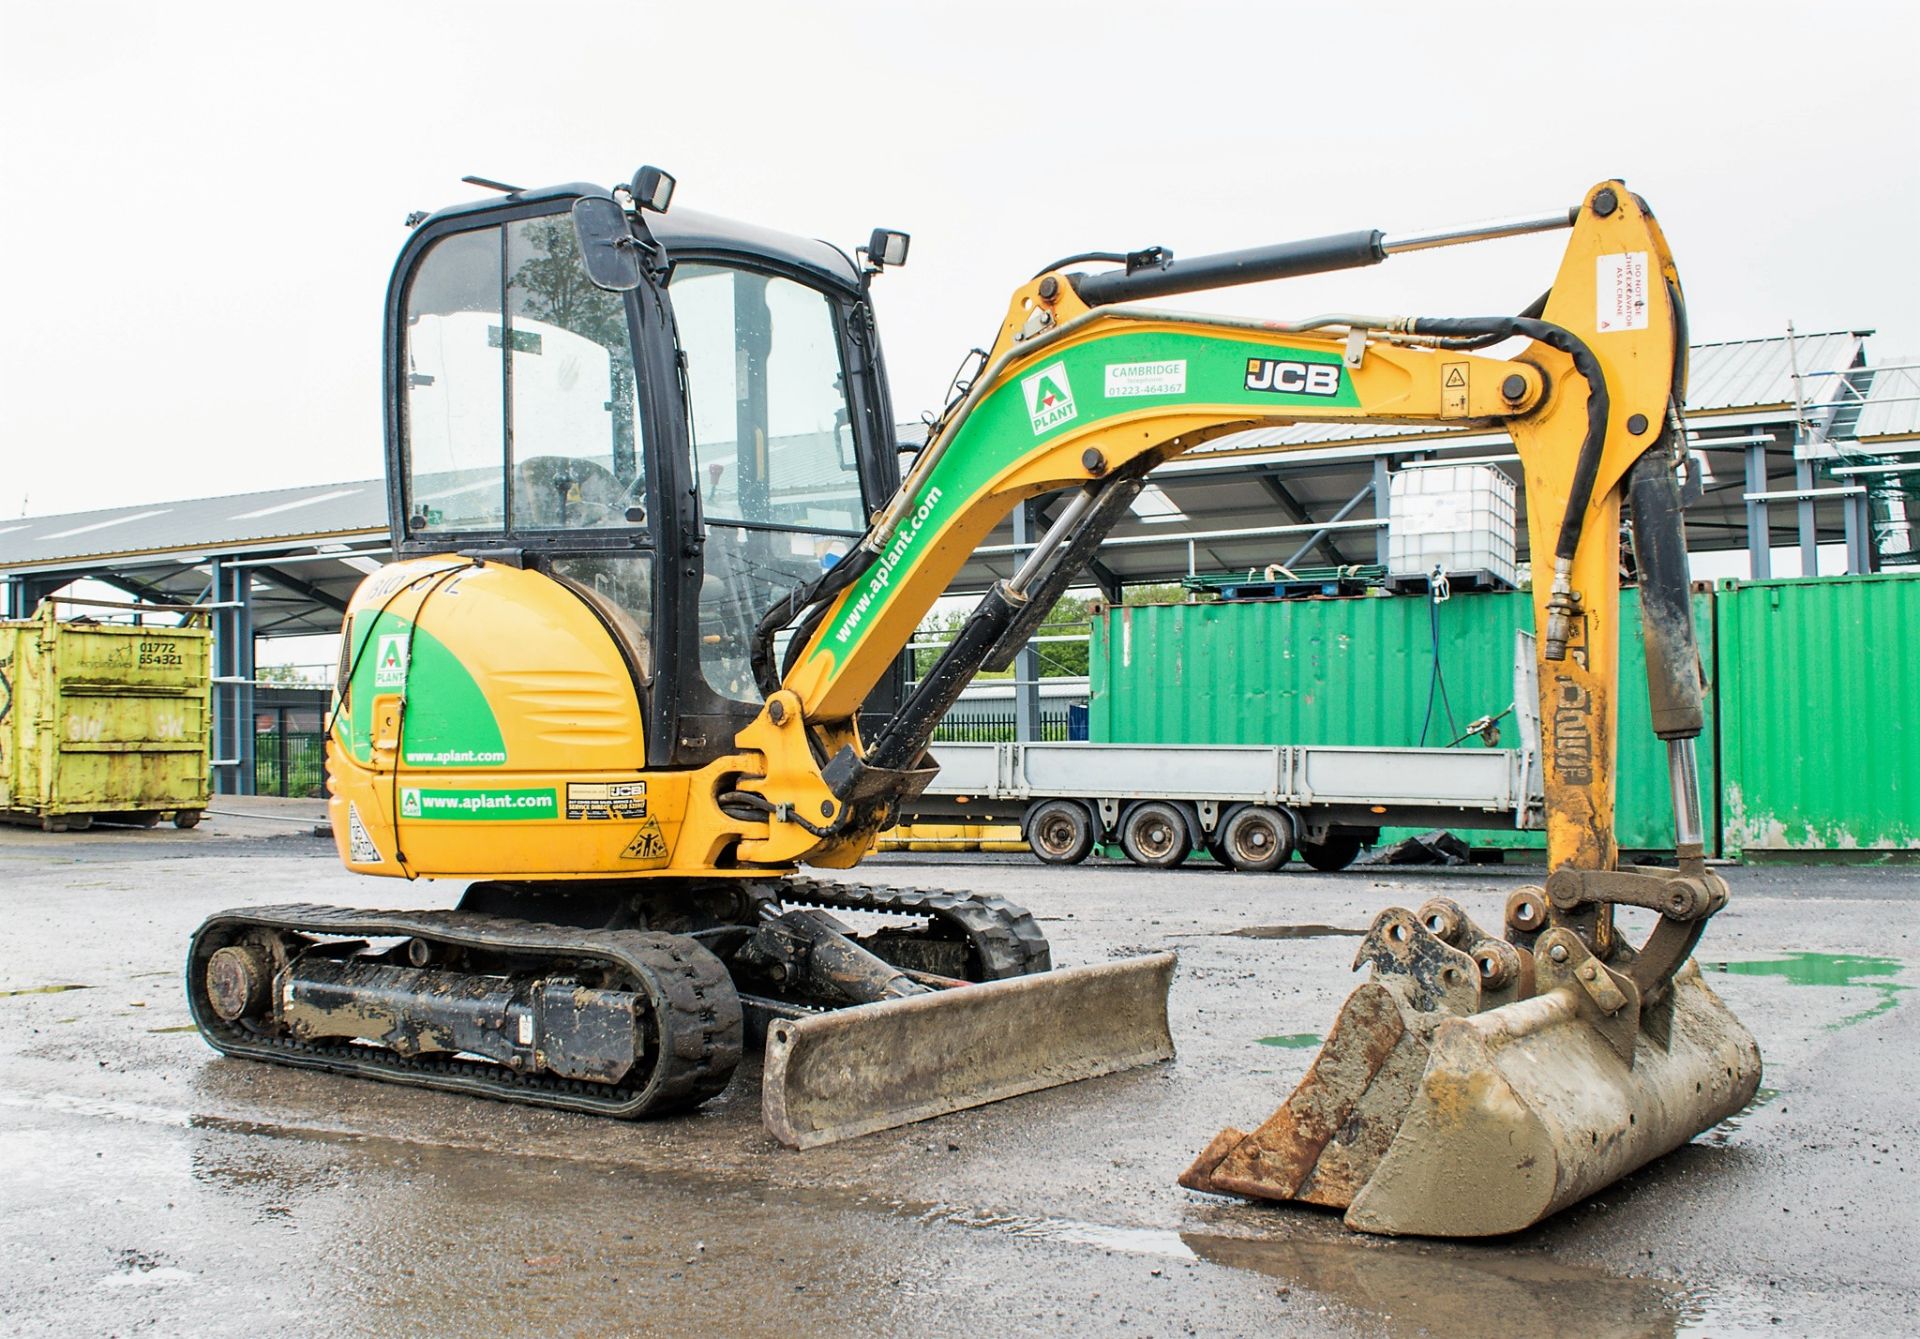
[(849, 1072), (1474, 1086)]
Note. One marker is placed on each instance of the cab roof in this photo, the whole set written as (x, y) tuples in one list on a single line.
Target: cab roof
[(686, 232)]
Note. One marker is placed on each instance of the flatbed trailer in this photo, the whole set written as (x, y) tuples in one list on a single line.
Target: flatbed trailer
[(1251, 806)]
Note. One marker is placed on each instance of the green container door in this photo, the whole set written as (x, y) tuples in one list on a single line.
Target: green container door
[(102, 718), (1820, 713), (1357, 672)]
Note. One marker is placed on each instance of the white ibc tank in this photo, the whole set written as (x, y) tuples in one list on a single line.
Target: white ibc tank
[(1459, 518)]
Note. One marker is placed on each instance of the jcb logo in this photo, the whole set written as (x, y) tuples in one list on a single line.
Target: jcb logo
[(1572, 729), (1288, 378)]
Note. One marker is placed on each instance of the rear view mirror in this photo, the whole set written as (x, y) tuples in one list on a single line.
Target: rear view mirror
[(608, 247), (886, 248)]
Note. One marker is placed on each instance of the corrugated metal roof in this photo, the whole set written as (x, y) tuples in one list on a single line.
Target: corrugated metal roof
[(1748, 373), (1892, 408), (239, 520)]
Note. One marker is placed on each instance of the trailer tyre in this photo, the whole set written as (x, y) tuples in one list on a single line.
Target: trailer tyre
[(1255, 839), (1156, 835), (1060, 831), (187, 818), (1335, 853)]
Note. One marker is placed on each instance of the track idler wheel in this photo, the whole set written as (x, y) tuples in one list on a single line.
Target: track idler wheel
[(237, 980)]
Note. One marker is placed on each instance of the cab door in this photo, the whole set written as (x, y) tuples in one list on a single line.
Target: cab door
[(780, 383)]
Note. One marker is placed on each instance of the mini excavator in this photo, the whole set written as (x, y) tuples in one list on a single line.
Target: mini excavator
[(638, 659)]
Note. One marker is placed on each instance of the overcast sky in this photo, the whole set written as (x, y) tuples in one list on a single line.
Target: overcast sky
[(200, 203)]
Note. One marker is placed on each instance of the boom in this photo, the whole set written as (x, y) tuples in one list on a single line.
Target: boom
[(1086, 396)]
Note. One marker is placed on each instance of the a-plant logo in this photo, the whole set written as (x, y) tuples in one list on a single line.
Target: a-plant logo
[(410, 801), (390, 662), (1049, 397)]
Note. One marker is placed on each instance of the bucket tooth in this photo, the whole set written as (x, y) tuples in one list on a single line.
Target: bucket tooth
[(848, 1072), (1428, 1113)]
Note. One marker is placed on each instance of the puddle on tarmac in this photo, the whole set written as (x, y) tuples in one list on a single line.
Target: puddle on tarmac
[(1399, 1288), (40, 990), (1421, 1289), (1723, 1134), (1290, 932), (1830, 969), (1293, 1041)]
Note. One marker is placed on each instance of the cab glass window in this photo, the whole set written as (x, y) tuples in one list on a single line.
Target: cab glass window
[(520, 403), (773, 450), (575, 460), (453, 393)]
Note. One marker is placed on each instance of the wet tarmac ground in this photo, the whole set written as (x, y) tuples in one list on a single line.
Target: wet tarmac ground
[(151, 1187)]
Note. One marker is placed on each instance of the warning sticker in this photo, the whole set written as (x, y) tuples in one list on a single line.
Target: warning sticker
[(1453, 388), (647, 844), (1620, 292), (360, 847), (606, 799)]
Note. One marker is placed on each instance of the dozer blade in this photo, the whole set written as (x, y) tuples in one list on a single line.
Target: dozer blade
[(852, 1071), (1421, 1116)]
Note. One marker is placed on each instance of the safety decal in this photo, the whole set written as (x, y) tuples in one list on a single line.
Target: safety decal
[(1049, 398), (647, 844), (1283, 377), (606, 799), (1129, 380), (390, 661), (360, 847), (1620, 292), (491, 803), (1454, 382)]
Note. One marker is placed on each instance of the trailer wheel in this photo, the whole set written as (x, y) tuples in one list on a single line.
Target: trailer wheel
[(1335, 853), (1255, 839), (1060, 831), (1155, 835), (187, 818)]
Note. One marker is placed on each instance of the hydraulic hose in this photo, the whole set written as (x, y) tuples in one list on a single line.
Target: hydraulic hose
[(1586, 468), (798, 602)]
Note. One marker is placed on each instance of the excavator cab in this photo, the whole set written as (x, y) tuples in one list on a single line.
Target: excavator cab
[(680, 450)]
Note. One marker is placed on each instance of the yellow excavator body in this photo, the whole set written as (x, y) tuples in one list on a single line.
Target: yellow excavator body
[(633, 667)]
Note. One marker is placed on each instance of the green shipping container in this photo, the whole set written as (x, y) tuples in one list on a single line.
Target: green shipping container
[(102, 719), (1357, 672), (1820, 714)]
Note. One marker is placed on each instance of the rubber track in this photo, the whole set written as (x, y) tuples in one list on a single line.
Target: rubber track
[(1004, 935), (697, 1012)]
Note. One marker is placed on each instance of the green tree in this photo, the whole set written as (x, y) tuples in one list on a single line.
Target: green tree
[(1159, 592), (1068, 617)]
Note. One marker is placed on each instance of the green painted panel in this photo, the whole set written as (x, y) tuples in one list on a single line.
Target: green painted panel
[(1084, 385), (1357, 672), (448, 723), (1820, 702)]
